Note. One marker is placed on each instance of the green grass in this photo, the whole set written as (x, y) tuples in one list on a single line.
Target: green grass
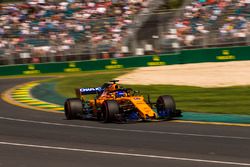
[(230, 100), (65, 86)]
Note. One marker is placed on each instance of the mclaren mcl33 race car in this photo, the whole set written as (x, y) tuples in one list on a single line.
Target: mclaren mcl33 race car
[(112, 103)]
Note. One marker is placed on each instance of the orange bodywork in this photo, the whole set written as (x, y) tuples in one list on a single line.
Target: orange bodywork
[(144, 110)]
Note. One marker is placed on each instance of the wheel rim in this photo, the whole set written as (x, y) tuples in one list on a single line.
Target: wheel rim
[(67, 108), (160, 105), (162, 110), (105, 112)]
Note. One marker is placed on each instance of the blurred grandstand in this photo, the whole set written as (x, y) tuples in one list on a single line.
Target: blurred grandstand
[(47, 31)]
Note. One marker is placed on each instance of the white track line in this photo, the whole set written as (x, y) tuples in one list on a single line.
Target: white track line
[(126, 130), (125, 154)]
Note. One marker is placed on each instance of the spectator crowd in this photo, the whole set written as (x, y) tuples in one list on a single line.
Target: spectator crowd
[(215, 21), (36, 28), (43, 27)]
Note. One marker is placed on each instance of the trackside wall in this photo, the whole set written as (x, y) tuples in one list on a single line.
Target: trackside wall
[(184, 57)]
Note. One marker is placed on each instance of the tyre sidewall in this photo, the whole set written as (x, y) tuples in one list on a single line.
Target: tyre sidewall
[(73, 108), (109, 109), (168, 104)]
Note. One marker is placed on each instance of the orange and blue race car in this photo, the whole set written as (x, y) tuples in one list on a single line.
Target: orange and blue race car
[(114, 103)]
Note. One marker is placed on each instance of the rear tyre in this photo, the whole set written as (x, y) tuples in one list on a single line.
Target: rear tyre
[(166, 106), (73, 108), (110, 110)]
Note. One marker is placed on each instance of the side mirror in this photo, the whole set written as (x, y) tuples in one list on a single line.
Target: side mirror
[(77, 92)]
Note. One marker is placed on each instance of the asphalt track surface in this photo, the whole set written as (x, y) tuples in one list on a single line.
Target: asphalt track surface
[(30, 138)]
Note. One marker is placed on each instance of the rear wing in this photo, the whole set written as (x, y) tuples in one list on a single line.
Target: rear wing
[(88, 91)]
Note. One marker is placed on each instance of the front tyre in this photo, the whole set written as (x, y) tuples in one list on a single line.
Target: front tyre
[(73, 108), (110, 110), (166, 107)]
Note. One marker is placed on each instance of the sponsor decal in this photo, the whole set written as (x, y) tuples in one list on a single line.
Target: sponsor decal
[(72, 68), (31, 70), (84, 90), (226, 56), (137, 98), (156, 61), (114, 65)]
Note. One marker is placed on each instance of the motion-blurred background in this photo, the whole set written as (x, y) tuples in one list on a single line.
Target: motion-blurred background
[(38, 31)]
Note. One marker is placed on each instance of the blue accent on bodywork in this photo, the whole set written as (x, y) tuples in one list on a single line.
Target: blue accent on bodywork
[(120, 94), (133, 116), (87, 91), (165, 113)]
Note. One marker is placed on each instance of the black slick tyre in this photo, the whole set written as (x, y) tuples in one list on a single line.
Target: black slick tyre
[(73, 108), (167, 105), (110, 109)]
